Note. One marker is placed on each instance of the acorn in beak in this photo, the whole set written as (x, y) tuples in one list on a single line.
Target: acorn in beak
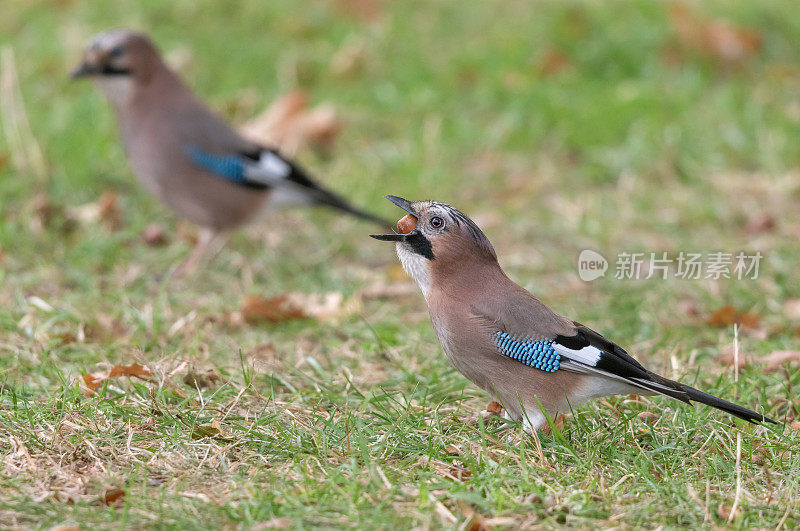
[(406, 226)]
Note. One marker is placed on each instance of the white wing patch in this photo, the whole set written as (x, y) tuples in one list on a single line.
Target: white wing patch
[(270, 169), (588, 355)]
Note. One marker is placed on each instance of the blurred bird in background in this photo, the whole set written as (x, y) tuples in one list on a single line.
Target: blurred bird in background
[(186, 155), (504, 339)]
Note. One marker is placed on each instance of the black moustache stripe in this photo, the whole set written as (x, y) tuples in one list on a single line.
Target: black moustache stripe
[(113, 71), (420, 245)]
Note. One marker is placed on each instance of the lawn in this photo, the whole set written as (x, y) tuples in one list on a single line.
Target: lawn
[(557, 126)]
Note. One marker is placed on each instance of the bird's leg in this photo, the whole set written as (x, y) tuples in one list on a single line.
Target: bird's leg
[(532, 419), (209, 243)]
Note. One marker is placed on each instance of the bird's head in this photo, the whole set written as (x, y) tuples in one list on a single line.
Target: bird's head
[(435, 239), (116, 60)]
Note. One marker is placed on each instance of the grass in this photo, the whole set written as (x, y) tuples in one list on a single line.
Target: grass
[(361, 421)]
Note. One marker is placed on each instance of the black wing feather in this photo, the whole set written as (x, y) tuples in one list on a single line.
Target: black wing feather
[(615, 360)]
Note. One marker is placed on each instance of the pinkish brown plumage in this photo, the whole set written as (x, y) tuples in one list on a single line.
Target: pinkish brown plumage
[(507, 341)]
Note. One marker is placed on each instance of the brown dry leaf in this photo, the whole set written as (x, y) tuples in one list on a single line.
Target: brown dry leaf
[(552, 62), (154, 235), (106, 327), (365, 10), (494, 408), (113, 497), (202, 380), (256, 309), (760, 224), (3, 160), (648, 417), (292, 306), (688, 307), (774, 360), (728, 316), (211, 430), (726, 356), (289, 125), (716, 39), (724, 511), (105, 209), (94, 380), (792, 309), (558, 422), (473, 520), (186, 233), (795, 425)]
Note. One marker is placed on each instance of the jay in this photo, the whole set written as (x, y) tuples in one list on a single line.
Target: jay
[(505, 340), (184, 154)]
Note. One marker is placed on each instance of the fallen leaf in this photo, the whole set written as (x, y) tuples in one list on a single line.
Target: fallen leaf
[(689, 308), (473, 520), (757, 458), (795, 425), (728, 316), (792, 309), (726, 356), (94, 380), (106, 327), (494, 408), (211, 430), (724, 511), (273, 310), (294, 306), (288, 124), (774, 360), (719, 40), (154, 235), (452, 449), (187, 233), (760, 224), (552, 62), (648, 417), (202, 380), (105, 209), (365, 10), (558, 422), (113, 497), (206, 430)]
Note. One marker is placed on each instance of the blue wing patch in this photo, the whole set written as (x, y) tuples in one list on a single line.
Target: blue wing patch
[(536, 354), (231, 167)]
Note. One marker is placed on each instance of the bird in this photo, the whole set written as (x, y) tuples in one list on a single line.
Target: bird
[(187, 156), (532, 360)]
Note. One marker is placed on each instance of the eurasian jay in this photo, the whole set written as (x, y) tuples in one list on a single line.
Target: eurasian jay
[(187, 156), (504, 339)]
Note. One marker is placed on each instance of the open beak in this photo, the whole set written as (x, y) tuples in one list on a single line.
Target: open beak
[(84, 70), (408, 222)]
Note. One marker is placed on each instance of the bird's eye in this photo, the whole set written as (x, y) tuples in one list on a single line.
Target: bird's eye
[(437, 222), (116, 51)]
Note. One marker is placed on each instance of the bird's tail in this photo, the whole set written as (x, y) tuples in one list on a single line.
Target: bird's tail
[(326, 198), (321, 196), (686, 393), (728, 407)]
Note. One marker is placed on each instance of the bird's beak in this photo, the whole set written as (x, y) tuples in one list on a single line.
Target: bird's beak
[(83, 70), (406, 205)]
